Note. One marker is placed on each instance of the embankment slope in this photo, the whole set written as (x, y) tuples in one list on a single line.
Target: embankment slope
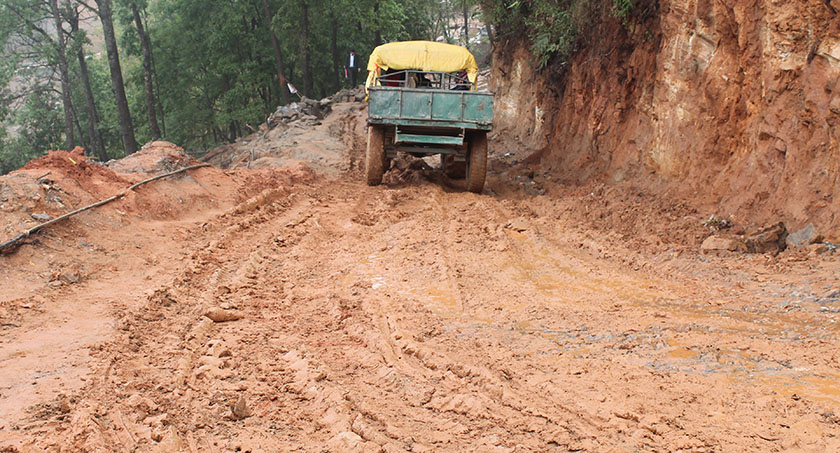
[(733, 107)]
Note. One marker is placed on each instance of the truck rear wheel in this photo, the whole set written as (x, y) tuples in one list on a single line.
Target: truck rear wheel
[(375, 155), (477, 162), (451, 168)]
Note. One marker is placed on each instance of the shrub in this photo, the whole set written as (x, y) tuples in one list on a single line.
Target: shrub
[(554, 27)]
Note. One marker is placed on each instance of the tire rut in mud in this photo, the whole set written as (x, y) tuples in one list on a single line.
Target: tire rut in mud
[(321, 356), (394, 320)]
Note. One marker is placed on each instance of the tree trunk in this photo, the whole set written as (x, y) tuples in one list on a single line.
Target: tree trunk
[(466, 25), (155, 77), (117, 86), (278, 53), (146, 45), (445, 21), (61, 47), (94, 135), (305, 51), (320, 90), (377, 32), (233, 132), (78, 127), (334, 49)]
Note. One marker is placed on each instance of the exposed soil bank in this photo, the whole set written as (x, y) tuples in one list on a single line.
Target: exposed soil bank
[(734, 107)]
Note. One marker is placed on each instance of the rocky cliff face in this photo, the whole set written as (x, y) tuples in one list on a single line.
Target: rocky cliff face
[(735, 105)]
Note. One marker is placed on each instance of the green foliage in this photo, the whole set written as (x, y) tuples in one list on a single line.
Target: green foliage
[(216, 66), (553, 27), (621, 10), (31, 114), (715, 223), (39, 124), (553, 31), (214, 63)]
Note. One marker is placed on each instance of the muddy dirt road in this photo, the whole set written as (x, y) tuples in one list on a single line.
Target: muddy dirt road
[(415, 317)]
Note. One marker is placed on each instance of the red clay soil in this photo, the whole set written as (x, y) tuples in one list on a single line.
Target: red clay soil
[(158, 156), (282, 310), (73, 165), (734, 106)]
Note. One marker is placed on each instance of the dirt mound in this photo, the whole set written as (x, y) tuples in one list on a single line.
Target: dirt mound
[(350, 95), (648, 221), (73, 165), (293, 136), (406, 169), (315, 132), (307, 111), (53, 185), (154, 157), (63, 181), (255, 181)]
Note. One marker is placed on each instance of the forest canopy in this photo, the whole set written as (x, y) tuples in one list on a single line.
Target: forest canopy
[(109, 75)]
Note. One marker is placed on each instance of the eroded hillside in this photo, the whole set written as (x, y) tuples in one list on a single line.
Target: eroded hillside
[(735, 107)]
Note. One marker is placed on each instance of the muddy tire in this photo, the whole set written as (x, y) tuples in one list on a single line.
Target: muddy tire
[(477, 162), (375, 155), (451, 168)]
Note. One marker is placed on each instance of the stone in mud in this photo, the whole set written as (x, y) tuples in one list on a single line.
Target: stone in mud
[(41, 217), (62, 404), (831, 294), (141, 404), (198, 335), (345, 441), (803, 237), (817, 249), (171, 441), (211, 361), (240, 410), (70, 275), (770, 239), (715, 242), (221, 315), (518, 224), (213, 372), (157, 421), (217, 348)]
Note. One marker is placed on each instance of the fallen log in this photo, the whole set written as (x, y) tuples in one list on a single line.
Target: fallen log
[(10, 245)]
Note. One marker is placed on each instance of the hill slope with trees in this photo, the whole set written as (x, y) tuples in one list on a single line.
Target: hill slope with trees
[(199, 73)]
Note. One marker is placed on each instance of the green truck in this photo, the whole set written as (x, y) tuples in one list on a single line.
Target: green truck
[(423, 112)]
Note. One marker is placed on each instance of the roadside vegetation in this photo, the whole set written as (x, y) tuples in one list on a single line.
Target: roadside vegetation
[(196, 72), (555, 28)]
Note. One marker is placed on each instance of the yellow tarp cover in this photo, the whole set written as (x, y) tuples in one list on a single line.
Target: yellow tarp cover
[(421, 56)]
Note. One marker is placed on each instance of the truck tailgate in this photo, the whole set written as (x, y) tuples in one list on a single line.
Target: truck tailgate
[(469, 109)]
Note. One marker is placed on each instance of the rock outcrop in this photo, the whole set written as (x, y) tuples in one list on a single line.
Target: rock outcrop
[(736, 103)]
